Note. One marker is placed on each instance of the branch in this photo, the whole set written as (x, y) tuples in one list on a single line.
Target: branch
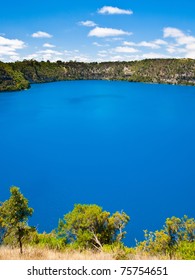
[(97, 240)]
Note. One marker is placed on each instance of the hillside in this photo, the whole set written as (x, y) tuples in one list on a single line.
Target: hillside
[(19, 75), (11, 79)]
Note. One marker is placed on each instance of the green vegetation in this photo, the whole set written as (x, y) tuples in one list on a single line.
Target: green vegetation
[(14, 214), (88, 227), (19, 75), (176, 239), (11, 79)]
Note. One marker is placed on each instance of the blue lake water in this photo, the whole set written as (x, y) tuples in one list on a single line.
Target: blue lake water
[(123, 146)]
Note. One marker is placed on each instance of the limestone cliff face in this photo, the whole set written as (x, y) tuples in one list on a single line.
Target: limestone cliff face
[(19, 75)]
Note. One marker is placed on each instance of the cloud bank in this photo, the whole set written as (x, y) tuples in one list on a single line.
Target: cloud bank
[(9, 47)]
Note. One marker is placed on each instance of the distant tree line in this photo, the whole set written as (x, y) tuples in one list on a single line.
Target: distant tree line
[(20, 74)]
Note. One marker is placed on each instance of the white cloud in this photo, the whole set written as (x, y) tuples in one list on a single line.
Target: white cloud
[(177, 45), (107, 32), (97, 44), (109, 10), (10, 58), (191, 54), (41, 34), (125, 50), (100, 45), (149, 45), (71, 53), (13, 43), (45, 55), (116, 58), (129, 43), (172, 49), (15, 58), (154, 55), (184, 43), (87, 23), (191, 46), (47, 45), (186, 40), (156, 44), (102, 55), (4, 50), (32, 56), (77, 56), (160, 42), (9, 47), (172, 32), (49, 52), (81, 58), (104, 51), (114, 39)]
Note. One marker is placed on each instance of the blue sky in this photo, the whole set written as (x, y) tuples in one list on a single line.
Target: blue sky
[(100, 30)]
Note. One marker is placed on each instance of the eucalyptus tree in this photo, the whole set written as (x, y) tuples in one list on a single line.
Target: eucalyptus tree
[(88, 226), (14, 214)]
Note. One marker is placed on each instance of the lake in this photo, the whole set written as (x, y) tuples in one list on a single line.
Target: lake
[(123, 146)]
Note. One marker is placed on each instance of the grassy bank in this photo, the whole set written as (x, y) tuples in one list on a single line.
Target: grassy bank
[(30, 253)]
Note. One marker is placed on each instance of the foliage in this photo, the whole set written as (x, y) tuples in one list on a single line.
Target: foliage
[(14, 214), (119, 251), (19, 75), (176, 235), (186, 250), (88, 226), (10, 79), (47, 240)]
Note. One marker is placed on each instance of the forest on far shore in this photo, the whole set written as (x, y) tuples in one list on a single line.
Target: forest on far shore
[(20, 74)]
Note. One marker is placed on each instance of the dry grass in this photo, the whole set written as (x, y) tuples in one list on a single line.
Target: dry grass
[(31, 253), (45, 254)]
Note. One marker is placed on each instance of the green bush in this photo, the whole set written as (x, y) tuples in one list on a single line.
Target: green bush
[(48, 240), (186, 250)]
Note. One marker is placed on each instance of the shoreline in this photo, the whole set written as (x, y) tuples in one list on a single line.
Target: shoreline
[(20, 75)]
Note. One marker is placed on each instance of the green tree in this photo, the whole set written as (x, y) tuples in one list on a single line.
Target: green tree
[(177, 234), (88, 226), (188, 229), (117, 223), (14, 214), (173, 229)]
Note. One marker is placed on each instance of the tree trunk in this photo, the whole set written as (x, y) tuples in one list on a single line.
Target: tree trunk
[(20, 244), (97, 241)]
